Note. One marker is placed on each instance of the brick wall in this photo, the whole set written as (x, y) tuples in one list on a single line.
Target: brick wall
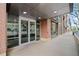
[(3, 29)]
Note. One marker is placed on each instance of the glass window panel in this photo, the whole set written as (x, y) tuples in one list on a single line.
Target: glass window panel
[(12, 31), (37, 30), (24, 31), (32, 31)]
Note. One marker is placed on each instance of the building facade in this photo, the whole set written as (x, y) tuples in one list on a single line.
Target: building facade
[(17, 29)]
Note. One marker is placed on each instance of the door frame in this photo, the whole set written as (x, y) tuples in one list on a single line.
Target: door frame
[(29, 20), (21, 18)]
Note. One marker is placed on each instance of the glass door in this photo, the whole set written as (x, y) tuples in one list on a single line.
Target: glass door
[(54, 29), (21, 31), (27, 30), (32, 30), (24, 31)]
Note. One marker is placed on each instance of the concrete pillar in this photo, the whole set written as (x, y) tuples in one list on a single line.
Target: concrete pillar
[(61, 25), (64, 23), (3, 27)]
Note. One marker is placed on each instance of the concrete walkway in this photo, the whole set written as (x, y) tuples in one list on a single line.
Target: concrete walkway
[(63, 45)]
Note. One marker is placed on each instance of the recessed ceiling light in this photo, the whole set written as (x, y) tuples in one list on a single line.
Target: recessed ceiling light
[(24, 12), (55, 11), (39, 17)]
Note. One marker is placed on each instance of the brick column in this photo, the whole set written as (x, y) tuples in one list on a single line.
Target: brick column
[(3, 26), (45, 26)]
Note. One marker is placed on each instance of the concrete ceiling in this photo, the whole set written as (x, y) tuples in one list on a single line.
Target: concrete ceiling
[(41, 9), (49, 8)]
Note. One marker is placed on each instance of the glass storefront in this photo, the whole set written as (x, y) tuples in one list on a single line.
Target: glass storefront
[(22, 25), (13, 31), (54, 27), (20, 30), (60, 24)]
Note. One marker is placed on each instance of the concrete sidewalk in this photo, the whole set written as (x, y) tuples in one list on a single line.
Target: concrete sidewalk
[(63, 45)]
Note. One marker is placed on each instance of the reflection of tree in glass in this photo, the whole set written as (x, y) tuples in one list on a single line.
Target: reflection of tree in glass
[(24, 26), (32, 27), (8, 29)]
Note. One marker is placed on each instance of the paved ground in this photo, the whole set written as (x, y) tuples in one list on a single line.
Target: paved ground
[(63, 45)]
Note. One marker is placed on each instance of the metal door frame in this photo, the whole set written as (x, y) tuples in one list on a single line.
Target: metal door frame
[(29, 20)]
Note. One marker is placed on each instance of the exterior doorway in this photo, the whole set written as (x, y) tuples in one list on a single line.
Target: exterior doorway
[(27, 30), (54, 29), (21, 32)]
